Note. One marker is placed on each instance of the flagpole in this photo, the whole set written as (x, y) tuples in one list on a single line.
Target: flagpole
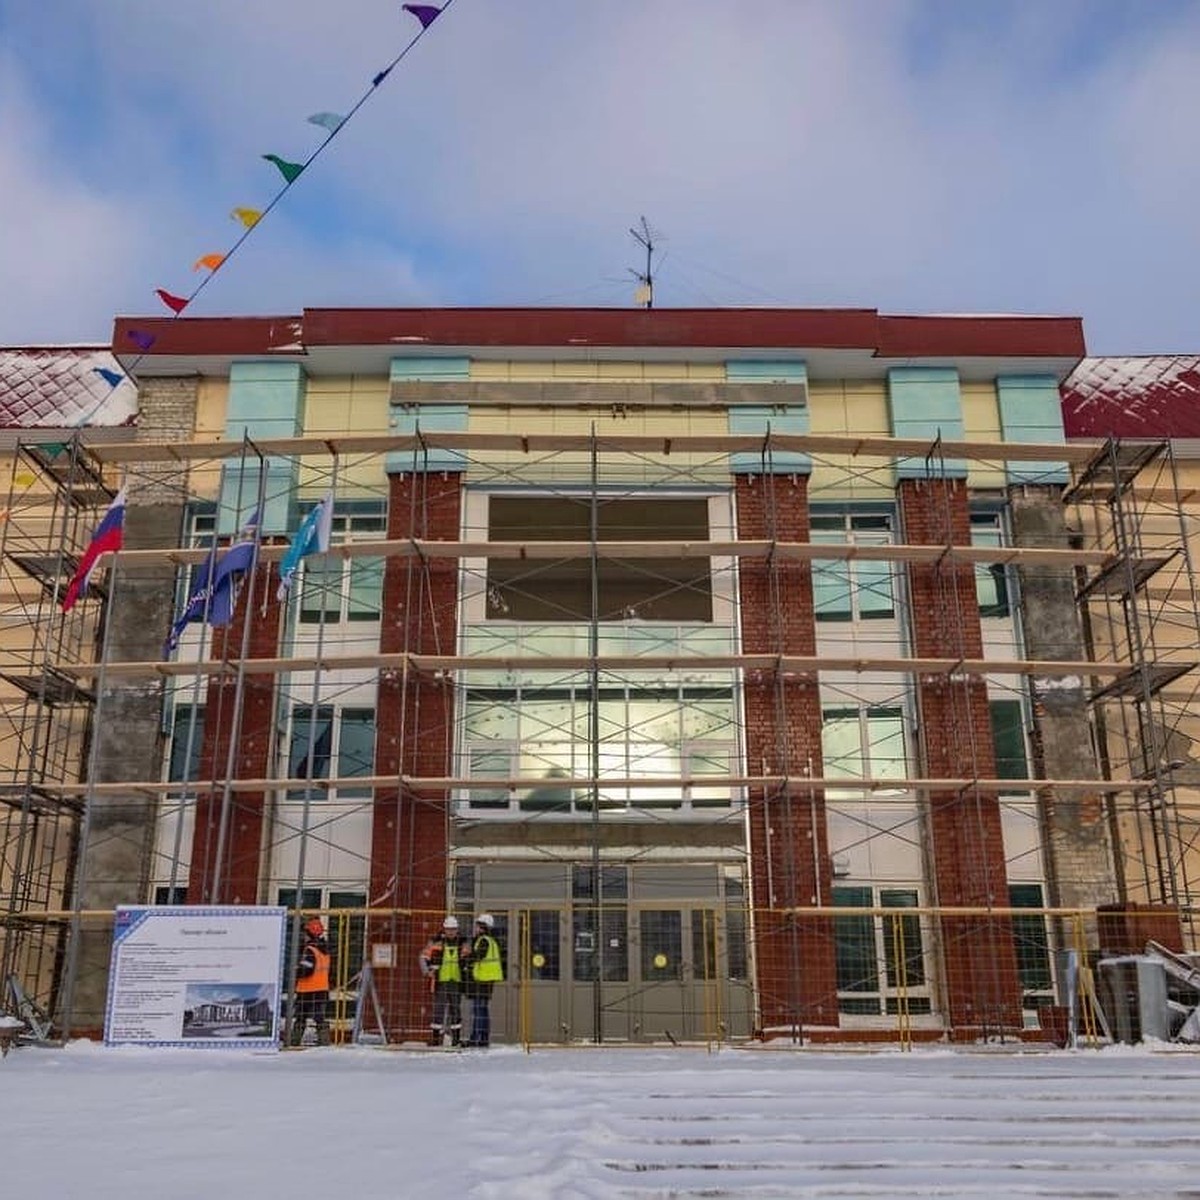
[(240, 684), (306, 807)]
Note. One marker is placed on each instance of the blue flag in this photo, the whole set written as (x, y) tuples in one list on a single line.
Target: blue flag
[(311, 538), (215, 587)]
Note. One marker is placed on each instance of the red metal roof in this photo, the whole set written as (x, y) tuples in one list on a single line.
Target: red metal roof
[(1149, 397), (749, 328)]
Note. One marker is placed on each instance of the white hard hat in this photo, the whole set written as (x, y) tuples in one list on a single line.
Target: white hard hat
[(486, 920), (450, 923)]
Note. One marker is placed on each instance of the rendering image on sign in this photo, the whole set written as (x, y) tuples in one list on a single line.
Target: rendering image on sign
[(196, 976)]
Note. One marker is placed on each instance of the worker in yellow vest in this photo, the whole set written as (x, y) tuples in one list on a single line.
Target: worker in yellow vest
[(484, 971), (443, 964), (312, 985)]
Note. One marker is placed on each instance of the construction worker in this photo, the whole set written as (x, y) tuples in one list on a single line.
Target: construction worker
[(443, 963), (312, 984), (484, 971)]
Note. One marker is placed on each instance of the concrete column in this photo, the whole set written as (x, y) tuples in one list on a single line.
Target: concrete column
[(1079, 859), (964, 836), (789, 848), (115, 862), (414, 736)]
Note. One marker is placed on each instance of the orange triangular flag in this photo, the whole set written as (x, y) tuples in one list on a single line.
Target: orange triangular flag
[(211, 261)]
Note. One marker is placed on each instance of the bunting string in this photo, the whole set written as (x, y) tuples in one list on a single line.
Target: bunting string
[(251, 218)]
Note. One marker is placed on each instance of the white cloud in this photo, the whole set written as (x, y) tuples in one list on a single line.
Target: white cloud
[(797, 147)]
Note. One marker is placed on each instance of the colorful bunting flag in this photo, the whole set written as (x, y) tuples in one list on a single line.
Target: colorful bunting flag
[(311, 538), (425, 13), (248, 216), (327, 120), (112, 378), (211, 261), (289, 170), (140, 338), (109, 536), (176, 303)]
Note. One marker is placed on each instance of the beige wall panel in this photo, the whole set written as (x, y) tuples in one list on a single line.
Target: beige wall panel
[(345, 404), (212, 400), (843, 407), (575, 466), (981, 423)]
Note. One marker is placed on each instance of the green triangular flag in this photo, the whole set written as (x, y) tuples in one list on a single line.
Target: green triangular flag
[(289, 170)]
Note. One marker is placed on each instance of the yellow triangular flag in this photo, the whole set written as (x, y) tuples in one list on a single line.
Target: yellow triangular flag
[(211, 261), (248, 216)]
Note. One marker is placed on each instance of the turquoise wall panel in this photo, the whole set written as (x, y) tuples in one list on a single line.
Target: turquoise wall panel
[(1031, 411), (925, 403), (428, 418), (266, 400), (758, 419)]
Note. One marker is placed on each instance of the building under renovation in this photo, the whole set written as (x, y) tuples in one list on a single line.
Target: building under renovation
[(758, 670)]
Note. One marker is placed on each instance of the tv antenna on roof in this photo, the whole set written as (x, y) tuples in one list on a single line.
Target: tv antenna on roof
[(644, 236)]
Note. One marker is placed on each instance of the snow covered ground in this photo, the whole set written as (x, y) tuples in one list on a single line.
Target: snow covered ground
[(503, 1125)]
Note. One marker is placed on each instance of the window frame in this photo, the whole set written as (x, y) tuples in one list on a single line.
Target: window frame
[(334, 754), (993, 581), (875, 990), (355, 521), (853, 578)]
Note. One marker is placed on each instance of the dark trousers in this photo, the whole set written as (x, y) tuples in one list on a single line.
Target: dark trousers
[(481, 1018), (312, 1006), (447, 1013)]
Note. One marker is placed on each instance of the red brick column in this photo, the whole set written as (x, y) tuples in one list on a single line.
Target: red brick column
[(414, 737), (789, 850), (982, 987), (241, 870)]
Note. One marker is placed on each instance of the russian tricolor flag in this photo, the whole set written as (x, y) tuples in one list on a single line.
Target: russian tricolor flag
[(109, 536)]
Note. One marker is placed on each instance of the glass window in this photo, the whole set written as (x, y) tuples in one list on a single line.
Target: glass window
[(539, 933), (544, 737), (880, 959), (342, 736), (611, 949), (1008, 734), (170, 895), (845, 589), (664, 588), (662, 945), (334, 588), (864, 743), (1030, 938), (991, 579), (187, 741)]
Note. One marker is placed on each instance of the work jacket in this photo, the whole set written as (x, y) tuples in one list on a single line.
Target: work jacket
[(312, 975), (486, 964), (443, 959)]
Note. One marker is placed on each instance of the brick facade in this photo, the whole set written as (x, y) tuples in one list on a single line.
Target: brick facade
[(239, 878), (963, 830), (789, 851), (414, 737)]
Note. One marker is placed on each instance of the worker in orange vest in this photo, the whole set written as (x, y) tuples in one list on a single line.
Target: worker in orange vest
[(312, 984)]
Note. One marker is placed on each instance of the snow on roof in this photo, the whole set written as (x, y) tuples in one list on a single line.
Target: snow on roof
[(1156, 395), (61, 387)]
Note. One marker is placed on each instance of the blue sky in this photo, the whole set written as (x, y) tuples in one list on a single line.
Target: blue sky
[(912, 155)]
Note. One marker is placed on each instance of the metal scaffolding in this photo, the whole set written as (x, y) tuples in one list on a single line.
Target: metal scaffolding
[(55, 680)]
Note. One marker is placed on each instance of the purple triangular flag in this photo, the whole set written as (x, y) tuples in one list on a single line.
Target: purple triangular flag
[(141, 339), (425, 13)]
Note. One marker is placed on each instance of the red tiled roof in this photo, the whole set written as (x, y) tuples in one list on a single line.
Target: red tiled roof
[(1150, 397), (60, 387)]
